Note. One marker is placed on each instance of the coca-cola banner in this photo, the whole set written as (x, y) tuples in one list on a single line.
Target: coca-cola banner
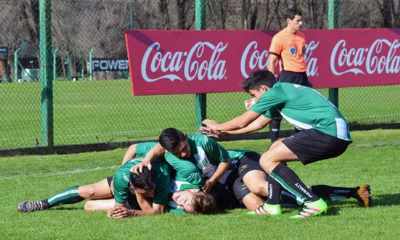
[(178, 61)]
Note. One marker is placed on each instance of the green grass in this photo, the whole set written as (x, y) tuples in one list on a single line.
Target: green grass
[(372, 158), (105, 111)]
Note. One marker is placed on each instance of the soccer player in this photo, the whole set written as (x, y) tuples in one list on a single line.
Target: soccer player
[(325, 134), (145, 193), (248, 189), (287, 52), (191, 156)]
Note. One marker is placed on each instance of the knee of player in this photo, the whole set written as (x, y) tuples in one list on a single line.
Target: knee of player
[(86, 192), (267, 162)]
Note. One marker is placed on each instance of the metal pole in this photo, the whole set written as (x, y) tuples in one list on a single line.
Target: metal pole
[(333, 5), (46, 75), (90, 65), (55, 50), (200, 98), (16, 52)]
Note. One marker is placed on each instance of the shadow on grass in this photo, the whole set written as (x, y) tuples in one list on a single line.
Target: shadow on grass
[(62, 208), (386, 199)]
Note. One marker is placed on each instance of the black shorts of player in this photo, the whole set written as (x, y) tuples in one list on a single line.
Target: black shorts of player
[(294, 77), (249, 162), (312, 145), (131, 202)]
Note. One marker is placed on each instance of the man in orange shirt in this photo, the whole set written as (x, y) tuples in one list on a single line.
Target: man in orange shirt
[(287, 53)]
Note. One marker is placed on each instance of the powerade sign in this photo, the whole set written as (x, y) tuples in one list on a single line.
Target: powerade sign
[(3, 53), (109, 65)]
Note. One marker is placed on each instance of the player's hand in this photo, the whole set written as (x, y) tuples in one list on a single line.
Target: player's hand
[(211, 133), (208, 185), (210, 124), (249, 103), (137, 169), (120, 212)]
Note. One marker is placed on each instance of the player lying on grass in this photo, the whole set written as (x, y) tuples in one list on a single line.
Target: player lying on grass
[(325, 134), (192, 157), (145, 193)]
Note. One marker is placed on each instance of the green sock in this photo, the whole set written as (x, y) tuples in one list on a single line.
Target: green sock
[(69, 196)]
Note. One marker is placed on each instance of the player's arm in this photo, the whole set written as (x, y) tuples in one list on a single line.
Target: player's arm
[(221, 169), (154, 153), (256, 125), (236, 123), (273, 64), (274, 56), (130, 153)]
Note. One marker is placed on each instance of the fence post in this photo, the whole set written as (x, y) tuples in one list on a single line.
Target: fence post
[(333, 5), (90, 64), (55, 50), (200, 98), (16, 52), (46, 77)]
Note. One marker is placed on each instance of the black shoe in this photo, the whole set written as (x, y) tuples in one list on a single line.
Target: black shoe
[(31, 206)]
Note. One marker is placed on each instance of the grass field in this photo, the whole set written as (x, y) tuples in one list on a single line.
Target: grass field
[(105, 111), (372, 158)]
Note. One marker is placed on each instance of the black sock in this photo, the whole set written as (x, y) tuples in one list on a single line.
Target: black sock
[(333, 193), (288, 199), (292, 183), (275, 128), (69, 196), (274, 191)]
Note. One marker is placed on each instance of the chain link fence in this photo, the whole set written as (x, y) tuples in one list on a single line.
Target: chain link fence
[(97, 106)]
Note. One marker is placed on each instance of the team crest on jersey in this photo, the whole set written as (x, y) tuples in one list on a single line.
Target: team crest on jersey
[(293, 50)]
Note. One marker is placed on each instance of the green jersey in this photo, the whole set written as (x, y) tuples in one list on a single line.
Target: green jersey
[(161, 176), (143, 148), (205, 153), (303, 107)]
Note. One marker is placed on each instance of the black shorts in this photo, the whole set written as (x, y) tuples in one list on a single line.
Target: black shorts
[(312, 145), (249, 162), (294, 77)]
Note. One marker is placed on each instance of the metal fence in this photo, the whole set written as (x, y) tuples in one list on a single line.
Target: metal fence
[(97, 106)]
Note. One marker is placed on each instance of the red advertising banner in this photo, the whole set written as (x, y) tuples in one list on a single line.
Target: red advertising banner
[(179, 61)]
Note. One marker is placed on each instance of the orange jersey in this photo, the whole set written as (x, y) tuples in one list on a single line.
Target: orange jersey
[(291, 48)]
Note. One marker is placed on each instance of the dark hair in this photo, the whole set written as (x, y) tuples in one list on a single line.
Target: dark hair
[(257, 79), (170, 138), (291, 13), (142, 180), (204, 203)]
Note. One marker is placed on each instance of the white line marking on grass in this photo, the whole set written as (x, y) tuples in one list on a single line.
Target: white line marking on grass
[(75, 171)]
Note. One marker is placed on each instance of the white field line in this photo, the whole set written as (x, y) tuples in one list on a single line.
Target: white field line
[(61, 173)]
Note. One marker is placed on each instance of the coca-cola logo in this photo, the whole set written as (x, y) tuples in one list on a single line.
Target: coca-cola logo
[(380, 57), (202, 61), (253, 59)]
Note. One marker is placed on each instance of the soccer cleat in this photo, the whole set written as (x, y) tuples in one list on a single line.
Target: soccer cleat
[(31, 206), (311, 209), (269, 209), (363, 195)]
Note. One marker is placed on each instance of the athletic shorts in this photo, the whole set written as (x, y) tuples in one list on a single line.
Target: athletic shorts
[(249, 162), (312, 145), (294, 77)]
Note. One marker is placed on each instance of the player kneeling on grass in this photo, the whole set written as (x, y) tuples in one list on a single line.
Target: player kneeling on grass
[(145, 193), (324, 134)]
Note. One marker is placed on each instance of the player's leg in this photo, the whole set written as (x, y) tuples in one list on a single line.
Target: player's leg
[(251, 201), (361, 193), (272, 162), (275, 127), (71, 195)]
